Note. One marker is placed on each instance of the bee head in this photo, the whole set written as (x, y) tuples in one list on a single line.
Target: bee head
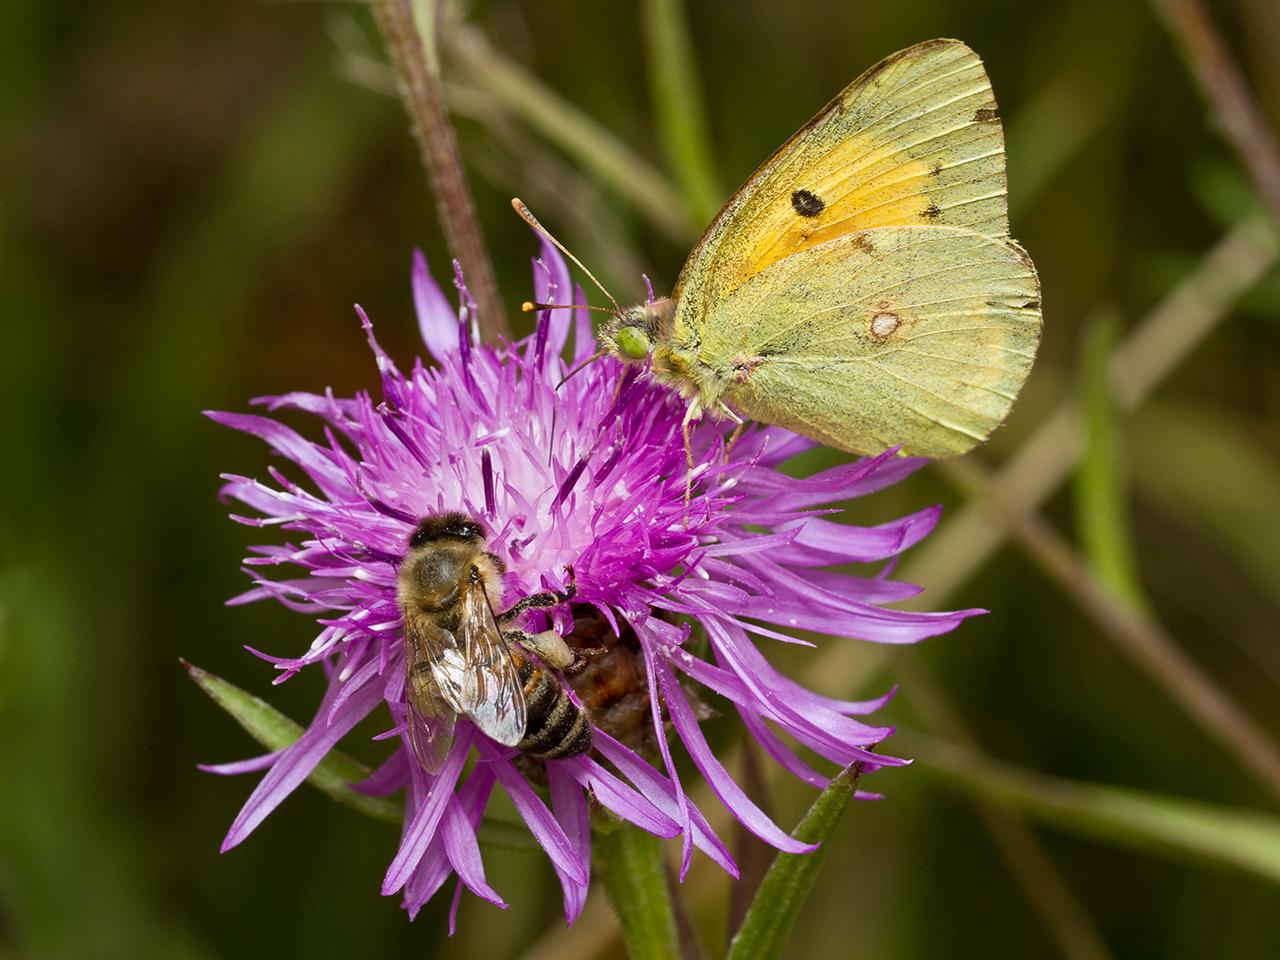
[(456, 527), (446, 553)]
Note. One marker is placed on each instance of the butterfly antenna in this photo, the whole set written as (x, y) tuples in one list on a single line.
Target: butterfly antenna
[(519, 207), (582, 366), (529, 306)]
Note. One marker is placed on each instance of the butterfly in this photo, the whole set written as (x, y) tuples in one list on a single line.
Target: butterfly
[(861, 287)]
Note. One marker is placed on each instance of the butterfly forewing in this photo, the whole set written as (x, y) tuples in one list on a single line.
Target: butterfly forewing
[(914, 141)]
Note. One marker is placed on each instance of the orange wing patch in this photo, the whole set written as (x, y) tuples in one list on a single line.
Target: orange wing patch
[(912, 142)]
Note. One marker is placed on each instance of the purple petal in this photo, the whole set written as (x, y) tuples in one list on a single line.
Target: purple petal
[(390, 777), (615, 795), (252, 765), (436, 319), (541, 823), (463, 851), (297, 761), (571, 810), (663, 794), (289, 444), (421, 829), (822, 542), (730, 794)]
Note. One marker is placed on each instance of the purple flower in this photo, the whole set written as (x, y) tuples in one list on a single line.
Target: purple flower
[(592, 475)]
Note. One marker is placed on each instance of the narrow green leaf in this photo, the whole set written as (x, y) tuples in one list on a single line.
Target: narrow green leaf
[(1181, 829), (425, 13), (1218, 471), (1101, 482), (679, 106), (577, 134), (333, 775), (767, 926), (630, 863)]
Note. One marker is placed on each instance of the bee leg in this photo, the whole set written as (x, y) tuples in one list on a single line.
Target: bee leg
[(548, 645), (542, 600), (582, 658)]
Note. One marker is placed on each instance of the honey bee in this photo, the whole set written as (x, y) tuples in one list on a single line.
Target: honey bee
[(460, 658), (609, 678)]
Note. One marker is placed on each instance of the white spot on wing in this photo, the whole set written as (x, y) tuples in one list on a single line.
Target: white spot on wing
[(883, 324)]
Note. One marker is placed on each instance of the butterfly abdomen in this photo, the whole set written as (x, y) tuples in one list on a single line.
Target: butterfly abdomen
[(555, 726)]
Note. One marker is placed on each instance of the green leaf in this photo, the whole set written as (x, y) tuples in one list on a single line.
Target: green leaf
[(333, 775), (679, 106), (767, 925), (630, 862), (1217, 470), (1101, 482), (1174, 827), (586, 141)]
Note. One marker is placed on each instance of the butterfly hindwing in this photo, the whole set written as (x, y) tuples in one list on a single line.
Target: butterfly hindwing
[(911, 336)]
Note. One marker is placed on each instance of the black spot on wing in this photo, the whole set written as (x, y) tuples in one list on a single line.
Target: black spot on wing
[(985, 115), (807, 204), (931, 212)]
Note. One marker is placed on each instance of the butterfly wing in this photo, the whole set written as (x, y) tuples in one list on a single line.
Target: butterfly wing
[(913, 141), (919, 336), (430, 717)]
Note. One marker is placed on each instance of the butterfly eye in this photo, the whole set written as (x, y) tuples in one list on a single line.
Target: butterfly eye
[(633, 342)]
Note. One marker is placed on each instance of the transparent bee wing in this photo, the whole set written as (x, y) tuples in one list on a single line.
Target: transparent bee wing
[(430, 717), (486, 678)]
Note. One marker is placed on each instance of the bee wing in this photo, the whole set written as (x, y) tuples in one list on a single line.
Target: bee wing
[(490, 691), (430, 717)]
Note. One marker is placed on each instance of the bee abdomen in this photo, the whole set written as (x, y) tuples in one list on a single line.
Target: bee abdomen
[(555, 725)]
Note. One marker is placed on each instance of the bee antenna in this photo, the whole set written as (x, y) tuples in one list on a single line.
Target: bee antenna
[(519, 207)]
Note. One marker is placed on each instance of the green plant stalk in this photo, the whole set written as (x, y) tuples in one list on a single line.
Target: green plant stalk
[(1101, 482), (409, 28), (767, 926), (1182, 829), (630, 863), (680, 107)]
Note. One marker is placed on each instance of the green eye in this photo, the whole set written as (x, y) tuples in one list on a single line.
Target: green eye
[(633, 343)]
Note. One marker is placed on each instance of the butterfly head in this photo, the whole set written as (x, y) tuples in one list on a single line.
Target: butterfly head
[(632, 333)]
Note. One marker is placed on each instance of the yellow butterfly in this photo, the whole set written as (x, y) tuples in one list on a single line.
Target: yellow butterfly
[(861, 287)]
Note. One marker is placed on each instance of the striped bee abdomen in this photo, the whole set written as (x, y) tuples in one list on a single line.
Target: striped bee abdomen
[(555, 726)]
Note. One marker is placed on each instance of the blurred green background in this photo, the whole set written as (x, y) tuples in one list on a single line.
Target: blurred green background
[(194, 196)]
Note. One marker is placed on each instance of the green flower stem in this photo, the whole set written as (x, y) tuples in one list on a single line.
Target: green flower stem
[(631, 865), (767, 926)]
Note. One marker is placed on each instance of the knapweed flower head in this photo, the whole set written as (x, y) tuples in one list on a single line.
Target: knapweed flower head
[(588, 475)]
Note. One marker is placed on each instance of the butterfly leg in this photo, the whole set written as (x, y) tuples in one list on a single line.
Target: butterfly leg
[(729, 414), (691, 415)]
